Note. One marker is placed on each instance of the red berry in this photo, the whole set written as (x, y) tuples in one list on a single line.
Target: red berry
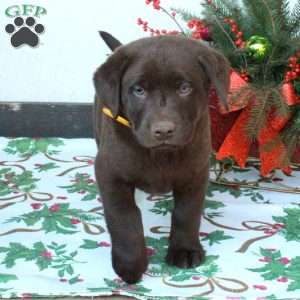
[(26, 296), (293, 60), (284, 260), (36, 205), (265, 259), (260, 287), (234, 29), (282, 279), (239, 34), (47, 254), (150, 251), (54, 208), (191, 24), (75, 221), (204, 234), (103, 244), (205, 34), (238, 42)]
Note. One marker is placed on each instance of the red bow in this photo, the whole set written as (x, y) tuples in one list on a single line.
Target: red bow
[(272, 151)]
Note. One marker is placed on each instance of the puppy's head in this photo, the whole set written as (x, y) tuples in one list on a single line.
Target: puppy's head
[(161, 85)]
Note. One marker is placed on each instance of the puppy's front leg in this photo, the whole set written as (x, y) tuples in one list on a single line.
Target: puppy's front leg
[(124, 223), (185, 250)]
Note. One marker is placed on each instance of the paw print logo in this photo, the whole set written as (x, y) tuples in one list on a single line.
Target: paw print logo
[(24, 32)]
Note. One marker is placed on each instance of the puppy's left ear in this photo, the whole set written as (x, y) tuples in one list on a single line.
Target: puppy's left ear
[(110, 40), (217, 68), (108, 80)]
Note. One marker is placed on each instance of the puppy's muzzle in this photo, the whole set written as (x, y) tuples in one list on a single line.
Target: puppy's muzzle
[(163, 130)]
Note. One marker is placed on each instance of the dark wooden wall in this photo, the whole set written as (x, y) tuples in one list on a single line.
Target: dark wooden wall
[(40, 119)]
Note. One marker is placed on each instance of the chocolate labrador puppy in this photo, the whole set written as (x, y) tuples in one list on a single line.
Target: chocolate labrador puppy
[(153, 133)]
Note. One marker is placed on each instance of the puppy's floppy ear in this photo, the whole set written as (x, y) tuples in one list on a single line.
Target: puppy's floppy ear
[(217, 68), (108, 80), (110, 41)]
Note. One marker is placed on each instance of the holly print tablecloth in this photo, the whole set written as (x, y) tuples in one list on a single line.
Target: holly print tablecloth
[(54, 242)]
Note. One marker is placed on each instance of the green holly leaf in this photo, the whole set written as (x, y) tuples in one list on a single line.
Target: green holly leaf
[(214, 187), (74, 280), (25, 181), (43, 262), (58, 220), (4, 171), (73, 254), (182, 276), (14, 252), (89, 197), (216, 237), (89, 244), (273, 268), (83, 184), (212, 204), (46, 167), (271, 297), (61, 272), (270, 253), (7, 277), (70, 270), (291, 221), (29, 146), (293, 286), (163, 207), (209, 271)]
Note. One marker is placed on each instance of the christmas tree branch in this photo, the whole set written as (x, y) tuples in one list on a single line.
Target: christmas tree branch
[(271, 16), (174, 19)]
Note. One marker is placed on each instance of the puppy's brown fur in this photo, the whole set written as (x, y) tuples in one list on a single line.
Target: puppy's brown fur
[(161, 85)]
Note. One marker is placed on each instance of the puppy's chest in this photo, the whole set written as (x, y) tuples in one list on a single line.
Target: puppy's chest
[(159, 178)]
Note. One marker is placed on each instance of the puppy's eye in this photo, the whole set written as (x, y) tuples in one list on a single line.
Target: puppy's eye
[(185, 88), (138, 91)]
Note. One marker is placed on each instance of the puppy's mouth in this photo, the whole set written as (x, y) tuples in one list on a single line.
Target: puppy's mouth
[(165, 147)]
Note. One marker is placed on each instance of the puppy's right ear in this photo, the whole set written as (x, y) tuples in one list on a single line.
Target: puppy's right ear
[(110, 41), (108, 79)]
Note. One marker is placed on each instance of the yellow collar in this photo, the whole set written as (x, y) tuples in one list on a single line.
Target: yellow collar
[(119, 119)]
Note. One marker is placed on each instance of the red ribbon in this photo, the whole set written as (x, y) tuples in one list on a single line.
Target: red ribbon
[(272, 151)]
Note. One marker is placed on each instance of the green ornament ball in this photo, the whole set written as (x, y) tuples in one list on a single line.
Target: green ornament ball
[(259, 47)]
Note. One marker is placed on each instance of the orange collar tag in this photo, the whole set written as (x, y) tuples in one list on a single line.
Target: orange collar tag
[(119, 119)]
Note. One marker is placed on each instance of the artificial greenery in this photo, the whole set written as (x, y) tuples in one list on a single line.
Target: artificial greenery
[(278, 23)]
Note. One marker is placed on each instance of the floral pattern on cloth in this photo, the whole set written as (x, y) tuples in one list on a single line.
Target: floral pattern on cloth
[(54, 241)]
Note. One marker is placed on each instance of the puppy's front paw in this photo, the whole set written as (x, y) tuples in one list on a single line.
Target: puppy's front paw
[(185, 258), (129, 268)]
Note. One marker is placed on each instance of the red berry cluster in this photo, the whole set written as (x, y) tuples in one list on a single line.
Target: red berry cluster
[(236, 32), (294, 66), (244, 74), (146, 28), (156, 3), (200, 30)]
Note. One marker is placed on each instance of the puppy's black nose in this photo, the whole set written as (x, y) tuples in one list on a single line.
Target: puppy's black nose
[(163, 130)]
